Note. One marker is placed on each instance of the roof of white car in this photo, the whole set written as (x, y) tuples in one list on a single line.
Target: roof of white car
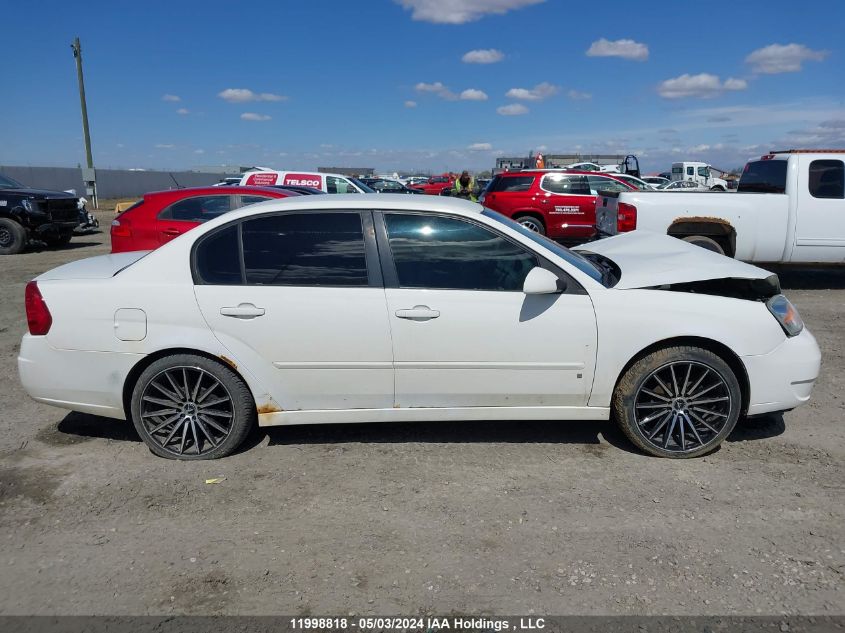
[(374, 201)]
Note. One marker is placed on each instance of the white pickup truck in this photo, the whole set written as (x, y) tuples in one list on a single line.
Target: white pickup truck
[(789, 207)]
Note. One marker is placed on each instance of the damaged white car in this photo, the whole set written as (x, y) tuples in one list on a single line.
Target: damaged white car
[(360, 309)]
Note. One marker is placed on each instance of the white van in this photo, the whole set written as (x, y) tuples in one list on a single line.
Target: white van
[(700, 173), (330, 183)]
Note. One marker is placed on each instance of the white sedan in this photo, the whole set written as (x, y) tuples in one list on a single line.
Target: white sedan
[(326, 309)]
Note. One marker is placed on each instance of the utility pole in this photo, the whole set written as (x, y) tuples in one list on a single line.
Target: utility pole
[(89, 174)]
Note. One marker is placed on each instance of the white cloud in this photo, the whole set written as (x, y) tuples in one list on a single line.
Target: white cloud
[(483, 56), (242, 95), (471, 94), (703, 86), (577, 95), (782, 58), (538, 92), (513, 109), (164, 146), (199, 151), (480, 147), (436, 88), (410, 104), (626, 49), (183, 111), (253, 116), (460, 11), (170, 98)]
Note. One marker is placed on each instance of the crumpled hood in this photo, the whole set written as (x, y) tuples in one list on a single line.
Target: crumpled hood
[(649, 259)]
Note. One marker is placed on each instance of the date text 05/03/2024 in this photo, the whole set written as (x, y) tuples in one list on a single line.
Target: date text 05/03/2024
[(418, 623)]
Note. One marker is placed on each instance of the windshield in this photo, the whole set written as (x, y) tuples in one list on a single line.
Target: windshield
[(362, 186), (576, 259), (9, 183), (764, 176)]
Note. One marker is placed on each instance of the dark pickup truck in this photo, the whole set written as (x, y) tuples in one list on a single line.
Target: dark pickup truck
[(27, 213)]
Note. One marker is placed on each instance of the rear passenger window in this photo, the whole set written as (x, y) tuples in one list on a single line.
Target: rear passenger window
[(217, 258), (511, 183), (827, 179), (197, 209), (567, 185), (305, 249)]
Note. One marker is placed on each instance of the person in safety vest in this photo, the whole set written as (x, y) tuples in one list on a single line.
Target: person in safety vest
[(464, 187), (540, 163)]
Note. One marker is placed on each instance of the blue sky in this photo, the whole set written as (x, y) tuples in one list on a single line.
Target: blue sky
[(384, 83)]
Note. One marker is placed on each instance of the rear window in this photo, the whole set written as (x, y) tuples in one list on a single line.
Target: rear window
[(827, 179), (511, 183), (677, 170), (764, 176)]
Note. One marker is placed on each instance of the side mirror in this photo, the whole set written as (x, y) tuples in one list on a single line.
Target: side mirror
[(540, 281)]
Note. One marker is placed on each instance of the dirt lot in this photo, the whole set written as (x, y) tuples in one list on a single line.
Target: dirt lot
[(549, 518)]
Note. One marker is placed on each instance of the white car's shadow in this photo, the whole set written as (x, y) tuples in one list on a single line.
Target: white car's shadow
[(595, 436)]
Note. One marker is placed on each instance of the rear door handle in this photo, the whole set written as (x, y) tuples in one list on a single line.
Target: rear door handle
[(242, 311), (172, 232), (418, 313)]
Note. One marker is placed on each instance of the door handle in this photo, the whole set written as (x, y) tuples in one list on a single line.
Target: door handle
[(172, 232), (242, 311), (418, 313)]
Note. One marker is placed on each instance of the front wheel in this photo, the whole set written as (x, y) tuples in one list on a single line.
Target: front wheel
[(58, 239), (531, 223), (190, 407), (678, 402), (12, 237)]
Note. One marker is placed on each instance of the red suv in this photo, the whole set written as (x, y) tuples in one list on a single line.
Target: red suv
[(560, 204), (163, 215)]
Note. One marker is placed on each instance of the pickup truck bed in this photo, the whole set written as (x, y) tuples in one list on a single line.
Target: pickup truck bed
[(761, 218)]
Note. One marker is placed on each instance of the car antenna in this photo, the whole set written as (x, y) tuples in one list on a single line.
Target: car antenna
[(173, 178)]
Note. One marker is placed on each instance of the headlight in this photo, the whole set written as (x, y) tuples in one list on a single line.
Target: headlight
[(786, 314)]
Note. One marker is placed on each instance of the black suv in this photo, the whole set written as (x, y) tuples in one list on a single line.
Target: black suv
[(34, 213)]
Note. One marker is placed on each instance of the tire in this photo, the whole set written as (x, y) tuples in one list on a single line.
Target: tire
[(531, 222), (12, 237), (658, 414), (186, 428), (705, 242), (60, 239), (717, 188)]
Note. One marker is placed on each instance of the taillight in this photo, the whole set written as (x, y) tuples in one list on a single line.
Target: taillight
[(120, 228), (626, 217), (37, 314)]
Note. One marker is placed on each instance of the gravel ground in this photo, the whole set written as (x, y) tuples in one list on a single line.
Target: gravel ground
[(521, 517)]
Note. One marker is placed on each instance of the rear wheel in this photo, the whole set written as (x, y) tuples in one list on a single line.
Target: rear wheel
[(678, 402), (12, 237), (705, 242), (190, 407), (531, 222)]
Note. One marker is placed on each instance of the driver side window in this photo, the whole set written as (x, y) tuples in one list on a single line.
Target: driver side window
[(432, 251)]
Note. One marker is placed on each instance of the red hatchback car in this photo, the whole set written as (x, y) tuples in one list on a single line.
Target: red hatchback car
[(560, 204), (160, 216)]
